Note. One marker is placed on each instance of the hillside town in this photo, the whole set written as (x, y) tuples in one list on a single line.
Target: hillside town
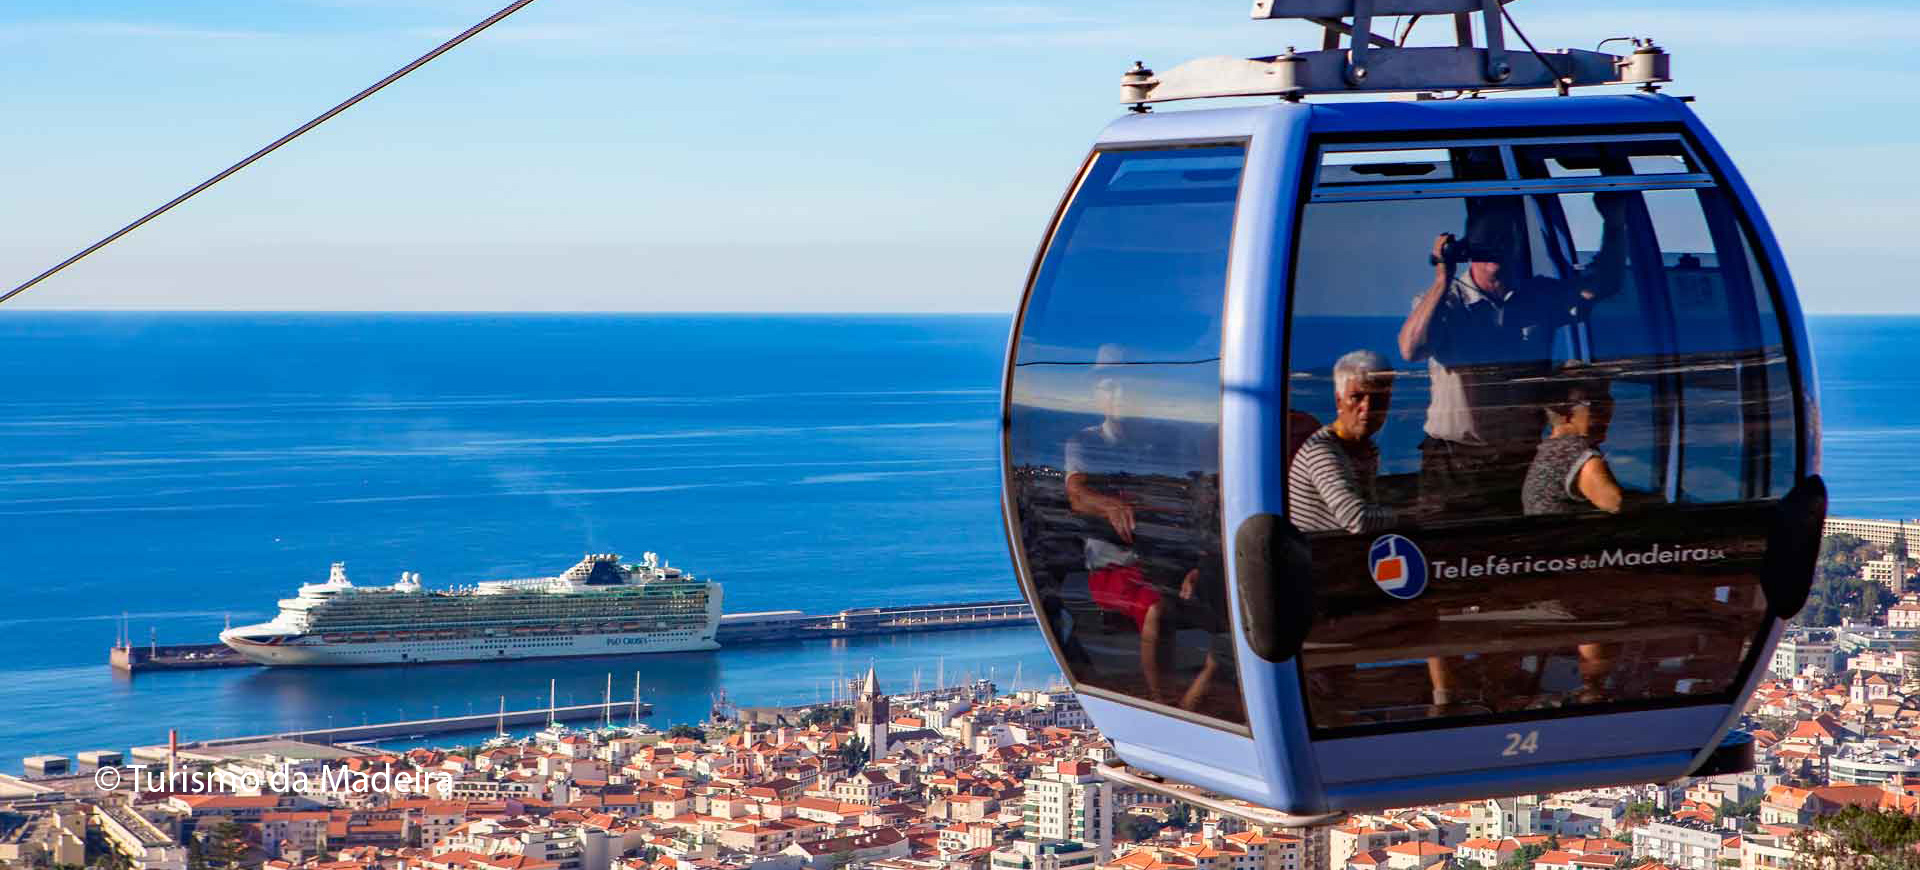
[(968, 778)]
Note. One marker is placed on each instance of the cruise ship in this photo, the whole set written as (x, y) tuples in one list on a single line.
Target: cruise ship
[(598, 607)]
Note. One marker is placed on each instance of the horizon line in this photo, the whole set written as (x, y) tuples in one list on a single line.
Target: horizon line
[(661, 312), (515, 311)]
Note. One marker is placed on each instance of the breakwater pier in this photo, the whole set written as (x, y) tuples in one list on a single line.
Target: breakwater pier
[(617, 712), (735, 629)]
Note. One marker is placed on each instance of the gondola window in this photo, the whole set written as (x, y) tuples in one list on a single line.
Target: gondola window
[(1114, 431), (1566, 394)]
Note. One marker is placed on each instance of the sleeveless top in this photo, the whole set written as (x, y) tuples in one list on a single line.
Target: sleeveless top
[(1553, 480)]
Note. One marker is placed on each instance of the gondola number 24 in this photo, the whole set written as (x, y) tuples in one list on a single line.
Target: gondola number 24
[(1521, 744)]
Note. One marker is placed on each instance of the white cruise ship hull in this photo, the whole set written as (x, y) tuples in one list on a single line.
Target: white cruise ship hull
[(307, 650), (598, 607)]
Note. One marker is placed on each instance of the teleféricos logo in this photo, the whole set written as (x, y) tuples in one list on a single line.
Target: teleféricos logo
[(1397, 566), (1401, 570)]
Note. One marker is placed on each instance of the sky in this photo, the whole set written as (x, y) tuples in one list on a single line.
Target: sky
[(827, 155)]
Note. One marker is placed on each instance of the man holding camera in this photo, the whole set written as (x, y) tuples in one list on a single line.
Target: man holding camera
[(1486, 332)]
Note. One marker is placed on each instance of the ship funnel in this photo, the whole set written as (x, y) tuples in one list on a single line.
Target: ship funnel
[(338, 575)]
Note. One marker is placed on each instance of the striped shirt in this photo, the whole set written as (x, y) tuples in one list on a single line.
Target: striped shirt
[(1330, 487)]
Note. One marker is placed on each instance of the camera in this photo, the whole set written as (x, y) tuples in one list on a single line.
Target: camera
[(1453, 253)]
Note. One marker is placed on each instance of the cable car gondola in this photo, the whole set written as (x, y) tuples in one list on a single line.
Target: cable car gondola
[(1364, 454)]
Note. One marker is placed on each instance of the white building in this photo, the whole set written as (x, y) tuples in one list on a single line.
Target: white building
[(1886, 571), (1684, 847), (1062, 707), (1765, 852), (1906, 614), (569, 848), (145, 845), (1607, 811), (1030, 854), (1857, 764), (1801, 649), (1070, 802), (1880, 532)]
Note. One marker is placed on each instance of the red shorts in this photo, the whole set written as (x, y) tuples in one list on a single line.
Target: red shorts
[(1124, 590)]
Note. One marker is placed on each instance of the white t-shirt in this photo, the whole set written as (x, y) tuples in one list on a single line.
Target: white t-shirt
[(1478, 345)]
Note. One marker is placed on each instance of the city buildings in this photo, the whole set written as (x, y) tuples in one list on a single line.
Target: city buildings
[(1681, 845), (1802, 648), (1034, 854), (965, 779), (144, 844), (1070, 802), (1882, 532)]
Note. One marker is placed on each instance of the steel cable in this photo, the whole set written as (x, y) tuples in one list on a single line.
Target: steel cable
[(395, 76)]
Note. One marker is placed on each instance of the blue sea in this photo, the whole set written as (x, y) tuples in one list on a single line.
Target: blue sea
[(187, 469)]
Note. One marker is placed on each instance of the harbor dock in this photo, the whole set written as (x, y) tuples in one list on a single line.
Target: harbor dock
[(618, 712), (780, 626)]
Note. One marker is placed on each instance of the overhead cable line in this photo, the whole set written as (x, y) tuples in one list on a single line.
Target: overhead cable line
[(1561, 81), (395, 76)]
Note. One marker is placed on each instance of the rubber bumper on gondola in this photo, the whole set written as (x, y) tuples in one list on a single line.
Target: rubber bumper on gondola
[(1735, 755)]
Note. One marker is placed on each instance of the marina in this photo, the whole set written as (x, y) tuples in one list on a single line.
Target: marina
[(617, 712), (766, 627)]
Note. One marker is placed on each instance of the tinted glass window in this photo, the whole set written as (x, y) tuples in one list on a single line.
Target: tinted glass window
[(1591, 159), (1537, 442), (1114, 429), (1390, 166)]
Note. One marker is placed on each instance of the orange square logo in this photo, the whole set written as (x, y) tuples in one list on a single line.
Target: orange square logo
[(1390, 569)]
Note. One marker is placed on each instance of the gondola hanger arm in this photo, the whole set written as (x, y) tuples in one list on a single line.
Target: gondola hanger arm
[(1372, 63)]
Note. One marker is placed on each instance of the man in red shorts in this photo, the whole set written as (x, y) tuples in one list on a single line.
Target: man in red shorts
[(1105, 465)]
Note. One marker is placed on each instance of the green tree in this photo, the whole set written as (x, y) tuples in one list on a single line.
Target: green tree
[(1140, 828), (839, 860), (1523, 858), (1857, 838), (101, 853), (1180, 817), (689, 731), (227, 845), (1747, 808), (827, 717), (1639, 811), (196, 854), (854, 754), (1838, 592)]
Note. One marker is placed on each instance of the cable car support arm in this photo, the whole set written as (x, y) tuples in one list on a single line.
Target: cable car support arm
[(1373, 63)]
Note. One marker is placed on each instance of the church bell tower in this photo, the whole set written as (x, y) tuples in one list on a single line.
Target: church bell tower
[(871, 713)]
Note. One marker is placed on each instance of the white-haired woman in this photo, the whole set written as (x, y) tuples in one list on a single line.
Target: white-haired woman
[(1331, 483)]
